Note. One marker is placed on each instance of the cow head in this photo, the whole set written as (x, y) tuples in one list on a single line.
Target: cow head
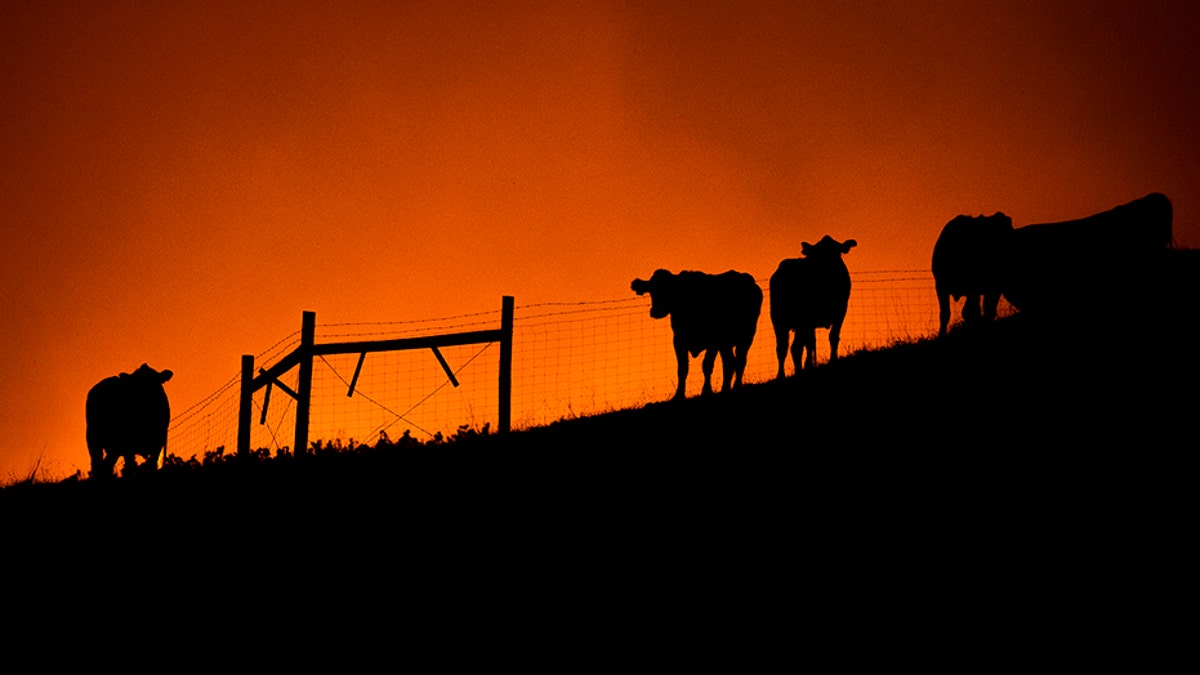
[(828, 248), (661, 289), (149, 375)]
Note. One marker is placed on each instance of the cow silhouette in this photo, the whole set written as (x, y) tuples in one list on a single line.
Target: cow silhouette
[(127, 417), (710, 313), (1074, 266), (969, 260), (809, 293)]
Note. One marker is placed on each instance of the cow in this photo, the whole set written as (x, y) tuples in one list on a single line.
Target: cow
[(1078, 265), (808, 293), (710, 313), (127, 416), (969, 258)]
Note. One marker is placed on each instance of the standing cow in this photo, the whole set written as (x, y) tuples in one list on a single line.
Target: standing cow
[(969, 259), (1109, 259), (127, 416), (714, 314), (809, 293)]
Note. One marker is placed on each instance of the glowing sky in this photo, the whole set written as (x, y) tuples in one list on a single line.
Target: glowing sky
[(181, 179)]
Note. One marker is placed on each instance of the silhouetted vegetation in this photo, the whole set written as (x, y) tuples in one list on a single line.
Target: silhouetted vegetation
[(1014, 496)]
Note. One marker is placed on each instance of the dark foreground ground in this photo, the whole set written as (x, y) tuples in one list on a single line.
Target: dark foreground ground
[(1020, 498)]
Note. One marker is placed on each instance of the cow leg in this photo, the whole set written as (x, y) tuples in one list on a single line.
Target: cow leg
[(98, 463), (943, 312), (810, 343), (710, 359), (781, 350), (743, 353), (681, 360), (109, 464), (970, 311), (130, 466), (739, 364), (835, 337), (991, 300), (96, 451), (102, 467), (798, 352), (728, 367)]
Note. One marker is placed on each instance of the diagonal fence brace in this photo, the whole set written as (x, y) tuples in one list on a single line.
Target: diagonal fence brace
[(445, 366), (357, 369), (266, 402), (363, 357), (302, 357), (273, 382)]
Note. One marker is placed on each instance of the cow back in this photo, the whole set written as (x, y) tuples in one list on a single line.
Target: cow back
[(809, 293), (713, 310), (128, 414), (970, 253), (1087, 261)]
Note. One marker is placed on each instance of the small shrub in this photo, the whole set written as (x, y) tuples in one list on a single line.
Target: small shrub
[(406, 441)]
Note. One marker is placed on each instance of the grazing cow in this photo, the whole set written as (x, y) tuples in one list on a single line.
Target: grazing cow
[(809, 293), (127, 416), (968, 260), (714, 314), (1077, 265)]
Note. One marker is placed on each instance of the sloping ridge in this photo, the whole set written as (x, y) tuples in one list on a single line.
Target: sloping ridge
[(1017, 497)]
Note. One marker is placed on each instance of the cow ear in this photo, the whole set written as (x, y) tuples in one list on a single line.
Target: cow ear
[(806, 248), (640, 286), (848, 244), (165, 375)]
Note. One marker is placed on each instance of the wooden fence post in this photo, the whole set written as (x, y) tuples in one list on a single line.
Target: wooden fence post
[(303, 355), (506, 340), (308, 332), (243, 432)]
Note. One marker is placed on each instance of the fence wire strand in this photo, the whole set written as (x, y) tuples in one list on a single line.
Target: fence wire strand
[(569, 359)]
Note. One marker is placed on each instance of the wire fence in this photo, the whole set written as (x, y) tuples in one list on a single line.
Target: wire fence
[(569, 360)]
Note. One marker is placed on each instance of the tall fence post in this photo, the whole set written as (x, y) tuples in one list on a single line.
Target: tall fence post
[(506, 346), (308, 332), (243, 432)]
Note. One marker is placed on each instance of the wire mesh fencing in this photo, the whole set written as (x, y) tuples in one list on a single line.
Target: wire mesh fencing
[(569, 360)]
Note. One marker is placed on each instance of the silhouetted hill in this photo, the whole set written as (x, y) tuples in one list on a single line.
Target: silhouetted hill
[(1013, 498)]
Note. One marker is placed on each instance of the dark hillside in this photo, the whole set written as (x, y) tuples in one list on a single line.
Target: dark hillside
[(1018, 497)]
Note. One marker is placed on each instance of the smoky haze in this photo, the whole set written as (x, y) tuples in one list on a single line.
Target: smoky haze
[(181, 180)]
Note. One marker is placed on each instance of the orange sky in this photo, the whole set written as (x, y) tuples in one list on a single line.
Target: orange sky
[(181, 179)]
